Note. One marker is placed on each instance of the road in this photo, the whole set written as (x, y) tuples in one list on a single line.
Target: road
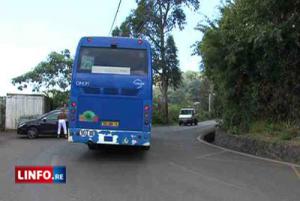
[(178, 167)]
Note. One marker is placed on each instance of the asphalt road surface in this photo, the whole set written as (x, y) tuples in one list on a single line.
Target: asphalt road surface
[(178, 167)]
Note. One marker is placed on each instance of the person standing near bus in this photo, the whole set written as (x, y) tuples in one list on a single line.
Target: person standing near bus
[(62, 122)]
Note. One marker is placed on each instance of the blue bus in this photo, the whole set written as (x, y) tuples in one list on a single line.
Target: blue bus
[(111, 92)]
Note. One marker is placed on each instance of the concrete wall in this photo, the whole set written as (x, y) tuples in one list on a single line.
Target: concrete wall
[(19, 105)]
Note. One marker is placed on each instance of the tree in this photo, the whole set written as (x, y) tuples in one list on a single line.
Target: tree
[(51, 77), (252, 56), (155, 20)]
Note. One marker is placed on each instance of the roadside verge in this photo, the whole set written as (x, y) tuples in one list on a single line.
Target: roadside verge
[(272, 151)]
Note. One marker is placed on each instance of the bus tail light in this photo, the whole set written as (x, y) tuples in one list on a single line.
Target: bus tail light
[(146, 108), (140, 41), (146, 114), (73, 104), (89, 40), (72, 110)]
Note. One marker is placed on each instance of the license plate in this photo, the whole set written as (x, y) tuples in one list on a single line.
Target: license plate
[(108, 138), (110, 123)]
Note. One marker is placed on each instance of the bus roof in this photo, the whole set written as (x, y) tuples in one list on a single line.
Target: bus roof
[(122, 42)]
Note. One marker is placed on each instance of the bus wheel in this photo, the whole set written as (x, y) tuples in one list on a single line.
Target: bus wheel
[(91, 146), (32, 133), (145, 148)]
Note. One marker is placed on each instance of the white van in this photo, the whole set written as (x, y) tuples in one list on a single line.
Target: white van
[(187, 116)]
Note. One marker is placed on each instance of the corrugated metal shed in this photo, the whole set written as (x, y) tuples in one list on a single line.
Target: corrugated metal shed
[(19, 105)]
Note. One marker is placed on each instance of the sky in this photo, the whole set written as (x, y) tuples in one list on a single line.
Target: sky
[(31, 29)]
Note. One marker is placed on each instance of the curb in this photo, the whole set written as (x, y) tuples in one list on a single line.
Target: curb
[(200, 139)]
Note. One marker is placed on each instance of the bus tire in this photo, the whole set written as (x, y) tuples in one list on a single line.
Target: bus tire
[(145, 148), (91, 146)]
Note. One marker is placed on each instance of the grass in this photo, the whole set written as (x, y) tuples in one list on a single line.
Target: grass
[(275, 131)]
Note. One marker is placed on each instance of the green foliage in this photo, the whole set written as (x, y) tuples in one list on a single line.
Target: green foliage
[(174, 112), (52, 77), (156, 111), (55, 72), (251, 54), (58, 98), (154, 20), (274, 130), (194, 89)]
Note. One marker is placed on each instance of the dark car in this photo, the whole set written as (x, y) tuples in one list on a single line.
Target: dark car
[(43, 125)]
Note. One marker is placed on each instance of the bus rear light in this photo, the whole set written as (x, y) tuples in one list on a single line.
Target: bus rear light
[(73, 104), (146, 108), (140, 41)]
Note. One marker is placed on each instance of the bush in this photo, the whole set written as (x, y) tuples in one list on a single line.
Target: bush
[(204, 115), (275, 130), (174, 113), (156, 117), (251, 54)]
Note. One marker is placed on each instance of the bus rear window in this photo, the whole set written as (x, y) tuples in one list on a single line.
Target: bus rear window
[(112, 61)]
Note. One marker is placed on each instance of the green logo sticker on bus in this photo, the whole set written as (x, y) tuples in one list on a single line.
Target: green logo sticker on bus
[(87, 62), (89, 116)]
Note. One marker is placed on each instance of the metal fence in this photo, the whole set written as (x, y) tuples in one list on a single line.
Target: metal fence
[(2, 113)]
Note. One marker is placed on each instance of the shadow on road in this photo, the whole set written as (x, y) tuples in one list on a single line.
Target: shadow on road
[(40, 137), (113, 154)]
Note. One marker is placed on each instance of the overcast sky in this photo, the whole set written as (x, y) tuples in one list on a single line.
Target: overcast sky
[(31, 29)]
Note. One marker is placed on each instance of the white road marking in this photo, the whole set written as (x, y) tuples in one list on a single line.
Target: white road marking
[(248, 155), (211, 154), (296, 171)]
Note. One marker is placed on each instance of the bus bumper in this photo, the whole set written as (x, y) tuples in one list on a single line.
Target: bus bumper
[(109, 137)]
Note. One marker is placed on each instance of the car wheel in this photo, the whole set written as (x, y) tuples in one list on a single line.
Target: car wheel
[(32, 133), (196, 122), (179, 123)]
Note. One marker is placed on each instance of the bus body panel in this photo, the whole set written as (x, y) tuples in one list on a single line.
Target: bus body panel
[(110, 108)]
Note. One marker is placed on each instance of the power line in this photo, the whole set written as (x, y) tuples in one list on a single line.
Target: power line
[(112, 25), (141, 27)]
